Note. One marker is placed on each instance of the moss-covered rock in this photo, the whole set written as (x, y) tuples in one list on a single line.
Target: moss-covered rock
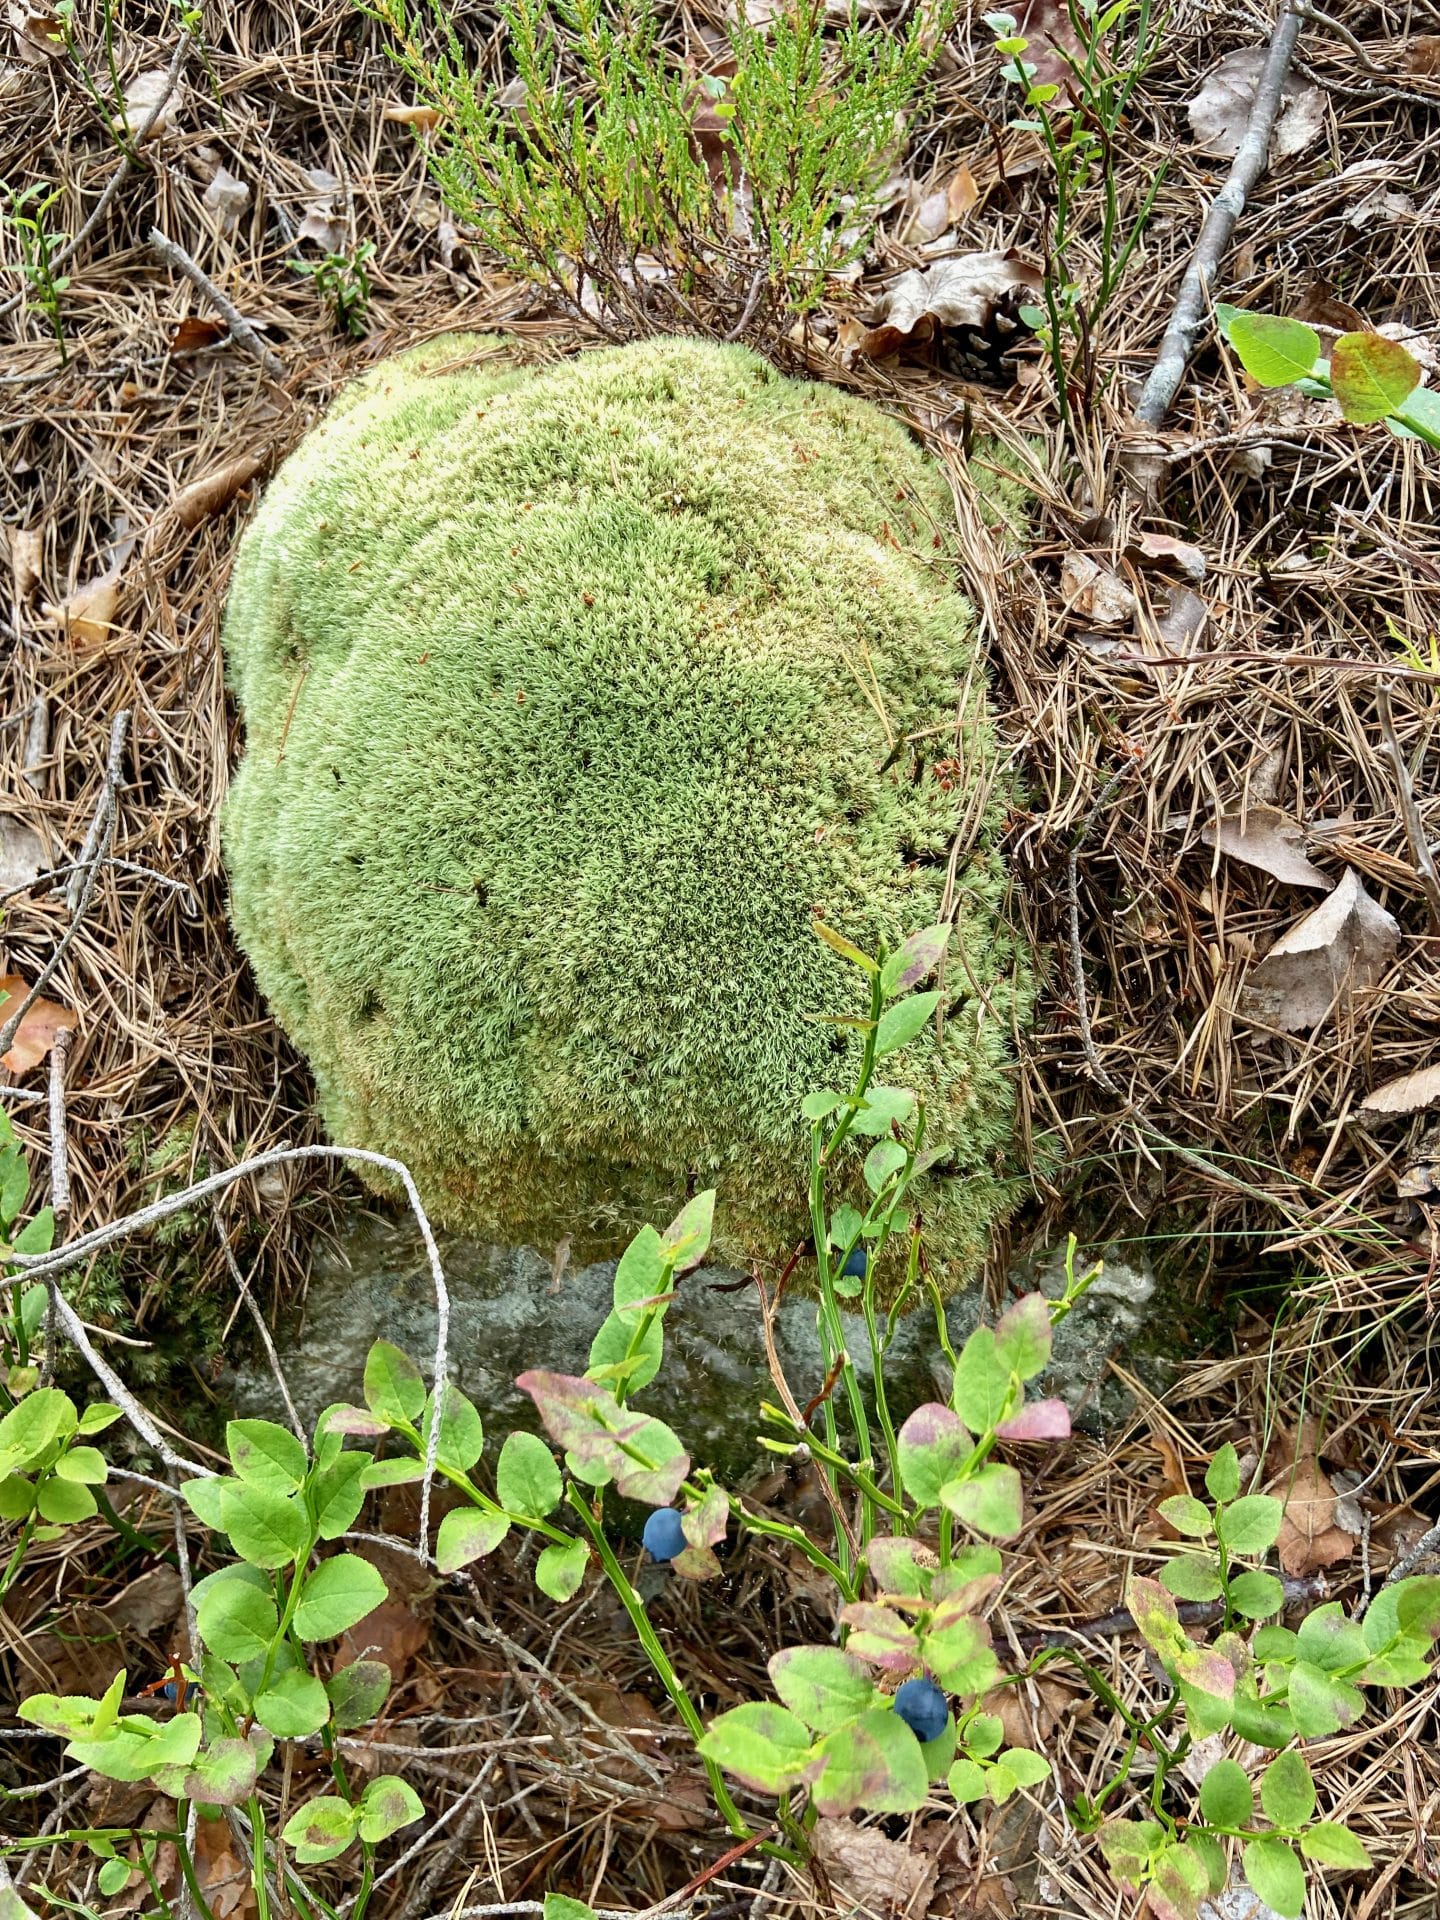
[(571, 698)]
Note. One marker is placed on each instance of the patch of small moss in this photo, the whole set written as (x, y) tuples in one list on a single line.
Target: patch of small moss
[(571, 699)]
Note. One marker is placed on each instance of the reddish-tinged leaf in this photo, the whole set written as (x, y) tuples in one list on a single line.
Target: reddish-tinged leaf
[(879, 1636), (36, 1033), (1023, 1336), (1371, 375), (1041, 1420)]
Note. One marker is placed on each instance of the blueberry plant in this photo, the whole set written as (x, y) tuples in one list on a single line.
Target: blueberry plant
[(1370, 376), (897, 1714)]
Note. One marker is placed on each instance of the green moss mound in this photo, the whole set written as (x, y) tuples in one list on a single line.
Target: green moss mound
[(572, 697)]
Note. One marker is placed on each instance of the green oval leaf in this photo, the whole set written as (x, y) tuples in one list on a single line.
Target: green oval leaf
[(337, 1594), (293, 1705), (527, 1479), (1273, 351), (264, 1455), (1225, 1796), (468, 1534), (394, 1389), (559, 1570), (237, 1621), (903, 1022), (1275, 1873)]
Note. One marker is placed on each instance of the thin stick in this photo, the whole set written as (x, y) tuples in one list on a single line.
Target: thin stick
[(118, 178), (44, 1266), (242, 1287), (1192, 304), (1410, 812), (1193, 1613), (241, 330), (1079, 991), (82, 884), (59, 1147)]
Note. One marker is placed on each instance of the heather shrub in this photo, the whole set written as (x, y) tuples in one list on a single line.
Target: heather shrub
[(573, 697)]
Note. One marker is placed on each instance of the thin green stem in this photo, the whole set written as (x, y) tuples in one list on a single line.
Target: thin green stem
[(658, 1658)]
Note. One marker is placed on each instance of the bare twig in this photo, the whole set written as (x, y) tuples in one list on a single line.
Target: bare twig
[(242, 1287), (45, 1266), (1409, 811), (1193, 1613), (59, 1147), (118, 178), (242, 332), (37, 739), (1192, 304), (1427, 1547), (1078, 989)]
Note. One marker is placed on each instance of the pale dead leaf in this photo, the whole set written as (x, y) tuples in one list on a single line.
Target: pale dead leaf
[(962, 196), (226, 197), (37, 1031), (423, 119), (142, 96), (872, 1873), (1183, 621), (1094, 591), (1342, 946), (1310, 1537), (1168, 550), (200, 498), (38, 36), (27, 553), (931, 217), (321, 223), (1269, 839), (23, 856), (1220, 111), (1406, 1094), (88, 615)]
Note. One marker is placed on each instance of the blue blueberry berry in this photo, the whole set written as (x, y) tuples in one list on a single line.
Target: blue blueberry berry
[(664, 1537), (855, 1264), (921, 1705)]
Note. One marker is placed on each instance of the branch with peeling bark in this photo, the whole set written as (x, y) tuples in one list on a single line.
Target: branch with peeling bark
[(1193, 303)]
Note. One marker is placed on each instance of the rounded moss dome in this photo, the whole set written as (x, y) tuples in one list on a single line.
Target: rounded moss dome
[(572, 698)]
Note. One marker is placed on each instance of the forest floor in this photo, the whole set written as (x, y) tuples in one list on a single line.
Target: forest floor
[(1203, 689)]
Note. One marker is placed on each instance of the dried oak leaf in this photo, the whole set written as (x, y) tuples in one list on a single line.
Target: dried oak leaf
[(37, 1031), (1220, 111), (1343, 945), (1408, 1093), (871, 1873), (1310, 1536), (1265, 837), (971, 295)]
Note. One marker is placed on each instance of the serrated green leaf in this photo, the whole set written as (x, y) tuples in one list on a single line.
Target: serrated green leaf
[(394, 1389), (1257, 1595), (64, 1502), (982, 1391), (85, 1465), (933, 1445), (903, 1021), (763, 1745), (462, 1436), (337, 1493), (1250, 1525), (267, 1529)]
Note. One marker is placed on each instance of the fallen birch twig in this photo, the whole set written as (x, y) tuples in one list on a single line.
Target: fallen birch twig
[(1193, 303)]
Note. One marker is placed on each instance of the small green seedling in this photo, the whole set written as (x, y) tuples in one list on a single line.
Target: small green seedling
[(39, 244), (343, 284)]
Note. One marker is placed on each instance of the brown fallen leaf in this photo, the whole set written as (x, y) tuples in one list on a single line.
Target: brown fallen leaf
[(1319, 306), (197, 330), (871, 1873), (27, 555), (1047, 26), (200, 498), (1265, 837), (39, 37), (1422, 55), (1165, 548), (962, 196), (1340, 947), (683, 1807), (1406, 1094), (1220, 112), (87, 616), (1310, 1537), (1094, 591), (399, 1627), (975, 298), (37, 1031), (223, 1872)]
